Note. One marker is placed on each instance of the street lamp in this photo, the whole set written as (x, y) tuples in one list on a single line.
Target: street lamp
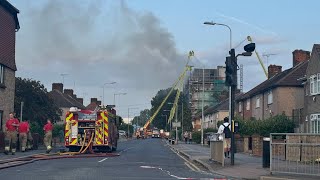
[(176, 122), (129, 118), (103, 90), (230, 94), (114, 97), (170, 125), (166, 120)]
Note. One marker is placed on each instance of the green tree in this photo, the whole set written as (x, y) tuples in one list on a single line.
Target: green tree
[(160, 121), (142, 118), (162, 117), (38, 107)]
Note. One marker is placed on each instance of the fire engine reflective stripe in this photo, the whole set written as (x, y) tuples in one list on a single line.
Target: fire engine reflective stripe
[(69, 117), (73, 141), (67, 128), (105, 124), (74, 132), (98, 132)]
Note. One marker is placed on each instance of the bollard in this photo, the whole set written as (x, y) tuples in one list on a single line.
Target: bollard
[(172, 141), (266, 152)]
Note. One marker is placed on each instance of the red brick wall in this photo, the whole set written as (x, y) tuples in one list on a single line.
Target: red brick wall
[(257, 145), (244, 114), (7, 36), (300, 56)]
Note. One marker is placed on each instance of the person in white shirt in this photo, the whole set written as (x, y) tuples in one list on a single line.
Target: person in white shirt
[(225, 129)]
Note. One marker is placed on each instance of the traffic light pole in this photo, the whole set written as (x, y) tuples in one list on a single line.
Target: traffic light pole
[(233, 87)]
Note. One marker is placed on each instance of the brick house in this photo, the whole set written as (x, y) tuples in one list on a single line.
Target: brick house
[(311, 122), (281, 93), (216, 113), (94, 103), (9, 25), (64, 99)]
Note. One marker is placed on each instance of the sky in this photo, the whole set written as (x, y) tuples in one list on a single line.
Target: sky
[(142, 45)]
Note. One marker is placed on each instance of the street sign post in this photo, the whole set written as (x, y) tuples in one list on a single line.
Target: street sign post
[(176, 124)]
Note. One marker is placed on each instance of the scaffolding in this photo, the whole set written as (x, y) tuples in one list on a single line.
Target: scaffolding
[(214, 84)]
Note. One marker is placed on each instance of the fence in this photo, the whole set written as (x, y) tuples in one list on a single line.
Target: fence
[(295, 153)]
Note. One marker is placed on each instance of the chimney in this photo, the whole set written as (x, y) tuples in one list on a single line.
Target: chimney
[(74, 96), (273, 70), (94, 100), (69, 92), (57, 86), (300, 56), (98, 103), (80, 100)]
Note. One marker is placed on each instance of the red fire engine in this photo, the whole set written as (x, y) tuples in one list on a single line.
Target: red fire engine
[(98, 127)]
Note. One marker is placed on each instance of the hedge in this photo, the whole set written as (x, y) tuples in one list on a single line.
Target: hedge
[(276, 124)]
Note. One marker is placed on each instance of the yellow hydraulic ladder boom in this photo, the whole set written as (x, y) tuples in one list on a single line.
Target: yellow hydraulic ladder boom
[(260, 61), (180, 79)]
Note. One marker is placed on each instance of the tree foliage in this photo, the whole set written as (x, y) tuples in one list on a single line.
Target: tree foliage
[(38, 107), (276, 124), (142, 118), (160, 120)]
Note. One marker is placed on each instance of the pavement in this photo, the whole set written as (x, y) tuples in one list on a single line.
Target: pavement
[(139, 159), (245, 167)]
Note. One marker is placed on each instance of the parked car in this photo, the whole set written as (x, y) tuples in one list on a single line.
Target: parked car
[(122, 133)]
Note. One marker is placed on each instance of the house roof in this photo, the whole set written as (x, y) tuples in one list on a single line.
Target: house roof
[(223, 105), (63, 100), (287, 78), (92, 106), (12, 10)]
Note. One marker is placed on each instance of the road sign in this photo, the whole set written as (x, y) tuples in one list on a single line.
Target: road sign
[(176, 124)]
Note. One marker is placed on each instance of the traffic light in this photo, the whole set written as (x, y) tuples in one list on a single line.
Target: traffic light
[(231, 69), (229, 72)]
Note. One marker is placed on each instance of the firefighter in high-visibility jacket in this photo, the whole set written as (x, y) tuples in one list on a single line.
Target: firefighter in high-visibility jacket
[(48, 135), (23, 135), (11, 134)]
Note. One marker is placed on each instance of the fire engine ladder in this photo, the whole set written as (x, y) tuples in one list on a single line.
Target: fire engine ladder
[(178, 83), (259, 58)]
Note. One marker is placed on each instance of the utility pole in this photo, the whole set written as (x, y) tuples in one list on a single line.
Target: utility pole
[(128, 122), (176, 123), (21, 110), (202, 108), (182, 117)]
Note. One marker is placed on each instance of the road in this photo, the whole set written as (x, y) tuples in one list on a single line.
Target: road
[(139, 159)]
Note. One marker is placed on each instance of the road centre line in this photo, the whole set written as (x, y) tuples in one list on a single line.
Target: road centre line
[(103, 160)]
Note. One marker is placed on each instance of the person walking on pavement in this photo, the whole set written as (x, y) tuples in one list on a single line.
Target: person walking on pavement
[(48, 135), (23, 135), (11, 134), (185, 137), (190, 137), (225, 129)]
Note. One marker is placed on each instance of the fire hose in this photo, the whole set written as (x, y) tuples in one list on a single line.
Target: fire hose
[(37, 157)]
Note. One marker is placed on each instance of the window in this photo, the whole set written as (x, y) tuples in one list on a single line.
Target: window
[(1, 74), (315, 84), (315, 123), (270, 98), (258, 102), (240, 106), (248, 105)]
